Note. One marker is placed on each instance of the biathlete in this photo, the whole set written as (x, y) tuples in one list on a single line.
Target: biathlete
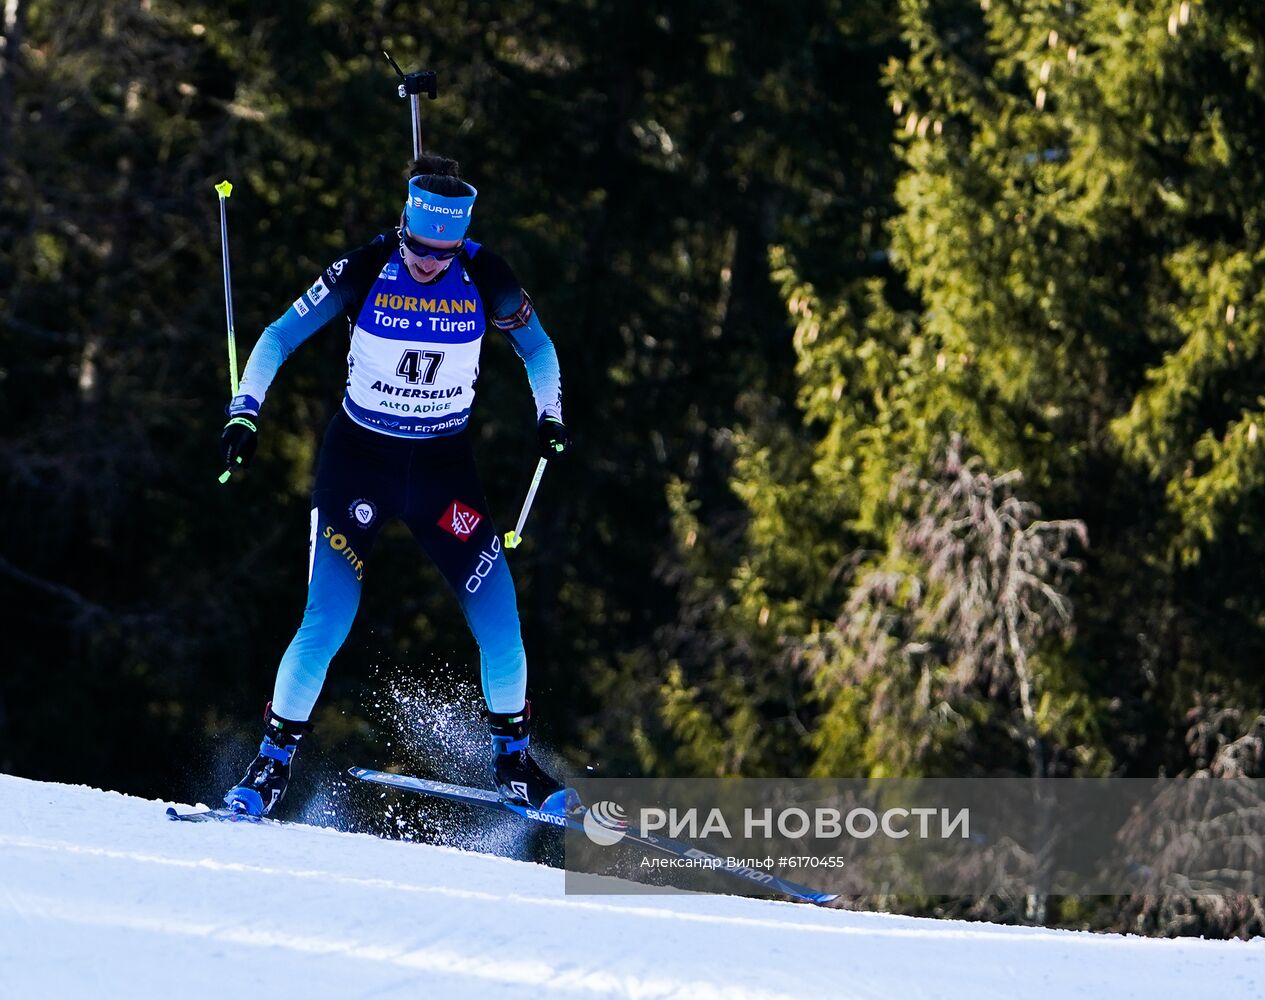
[(417, 302)]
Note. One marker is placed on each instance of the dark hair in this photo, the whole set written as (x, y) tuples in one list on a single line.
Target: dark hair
[(437, 173)]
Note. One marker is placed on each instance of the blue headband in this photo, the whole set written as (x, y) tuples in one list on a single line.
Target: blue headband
[(435, 216)]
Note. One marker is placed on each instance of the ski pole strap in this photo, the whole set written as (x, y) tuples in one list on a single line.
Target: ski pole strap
[(515, 538), (250, 426)]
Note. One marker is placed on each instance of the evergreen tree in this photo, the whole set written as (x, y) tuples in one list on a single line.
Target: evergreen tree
[(1077, 225)]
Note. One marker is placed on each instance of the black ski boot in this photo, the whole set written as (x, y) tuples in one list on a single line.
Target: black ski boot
[(518, 777), (265, 781)]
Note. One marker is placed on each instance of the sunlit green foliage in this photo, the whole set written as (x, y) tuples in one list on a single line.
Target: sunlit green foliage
[(1076, 296)]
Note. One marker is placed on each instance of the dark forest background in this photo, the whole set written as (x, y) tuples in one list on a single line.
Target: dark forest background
[(912, 352)]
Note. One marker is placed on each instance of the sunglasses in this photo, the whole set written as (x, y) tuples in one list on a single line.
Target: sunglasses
[(422, 250)]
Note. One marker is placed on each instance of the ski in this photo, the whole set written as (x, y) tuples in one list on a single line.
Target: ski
[(461, 793), (220, 815), (570, 815)]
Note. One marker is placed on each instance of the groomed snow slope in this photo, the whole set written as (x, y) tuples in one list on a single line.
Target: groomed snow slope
[(100, 896)]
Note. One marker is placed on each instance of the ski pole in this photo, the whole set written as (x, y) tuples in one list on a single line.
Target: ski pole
[(224, 189), (513, 539)]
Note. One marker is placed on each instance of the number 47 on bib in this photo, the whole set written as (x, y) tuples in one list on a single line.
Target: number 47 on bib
[(419, 366)]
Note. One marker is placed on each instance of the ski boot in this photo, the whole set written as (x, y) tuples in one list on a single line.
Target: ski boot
[(265, 781), (518, 777)]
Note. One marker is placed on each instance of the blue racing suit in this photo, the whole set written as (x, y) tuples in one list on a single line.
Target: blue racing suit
[(399, 448)]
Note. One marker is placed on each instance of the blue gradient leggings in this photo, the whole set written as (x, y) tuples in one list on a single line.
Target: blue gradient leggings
[(364, 478)]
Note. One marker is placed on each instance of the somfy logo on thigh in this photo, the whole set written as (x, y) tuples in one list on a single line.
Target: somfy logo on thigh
[(363, 512), (605, 824)]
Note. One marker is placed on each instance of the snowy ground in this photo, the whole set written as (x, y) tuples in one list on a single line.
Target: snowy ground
[(100, 896)]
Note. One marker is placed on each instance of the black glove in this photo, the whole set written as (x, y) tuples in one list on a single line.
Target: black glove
[(238, 440), (554, 439)]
